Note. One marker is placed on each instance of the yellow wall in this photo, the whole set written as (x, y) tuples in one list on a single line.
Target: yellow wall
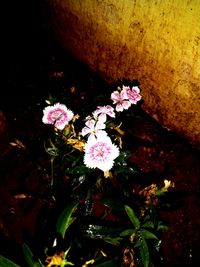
[(155, 42)]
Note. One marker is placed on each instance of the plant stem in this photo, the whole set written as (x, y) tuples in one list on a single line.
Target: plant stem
[(52, 174)]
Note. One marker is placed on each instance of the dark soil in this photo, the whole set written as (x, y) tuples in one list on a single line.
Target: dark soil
[(36, 67)]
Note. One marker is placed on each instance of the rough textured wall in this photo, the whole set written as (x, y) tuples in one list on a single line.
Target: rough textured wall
[(155, 42)]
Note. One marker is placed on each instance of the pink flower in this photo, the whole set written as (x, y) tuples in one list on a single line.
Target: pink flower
[(100, 153), (94, 129), (103, 111), (133, 94), (58, 115), (121, 100)]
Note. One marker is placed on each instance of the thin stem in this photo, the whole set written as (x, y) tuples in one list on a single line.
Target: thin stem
[(52, 173)]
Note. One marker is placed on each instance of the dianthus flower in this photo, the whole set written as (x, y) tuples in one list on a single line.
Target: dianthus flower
[(103, 111), (120, 99), (133, 94), (94, 129), (100, 153), (58, 115)]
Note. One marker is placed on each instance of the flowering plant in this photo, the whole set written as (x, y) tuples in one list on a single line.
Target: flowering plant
[(100, 214), (99, 151)]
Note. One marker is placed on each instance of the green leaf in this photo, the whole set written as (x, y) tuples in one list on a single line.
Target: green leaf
[(162, 228), (134, 219), (124, 155), (127, 232), (147, 234), (65, 263), (148, 224), (144, 251), (4, 262), (29, 257), (66, 219)]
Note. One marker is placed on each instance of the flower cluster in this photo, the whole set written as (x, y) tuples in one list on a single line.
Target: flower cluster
[(99, 150)]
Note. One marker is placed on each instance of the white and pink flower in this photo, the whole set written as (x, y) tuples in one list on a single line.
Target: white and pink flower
[(58, 115), (102, 111), (100, 153), (94, 129), (133, 94), (121, 100)]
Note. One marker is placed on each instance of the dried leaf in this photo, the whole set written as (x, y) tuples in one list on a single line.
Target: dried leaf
[(18, 144)]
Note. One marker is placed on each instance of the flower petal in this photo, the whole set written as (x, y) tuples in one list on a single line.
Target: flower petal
[(100, 153)]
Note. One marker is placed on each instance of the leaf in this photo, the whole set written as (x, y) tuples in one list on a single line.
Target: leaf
[(66, 219), (127, 232), (134, 219), (148, 224), (162, 228), (65, 263), (18, 144), (144, 251), (4, 262), (124, 155), (147, 234), (29, 257)]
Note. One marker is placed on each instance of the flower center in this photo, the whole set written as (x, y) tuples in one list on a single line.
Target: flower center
[(57, 115), (100, 152)]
